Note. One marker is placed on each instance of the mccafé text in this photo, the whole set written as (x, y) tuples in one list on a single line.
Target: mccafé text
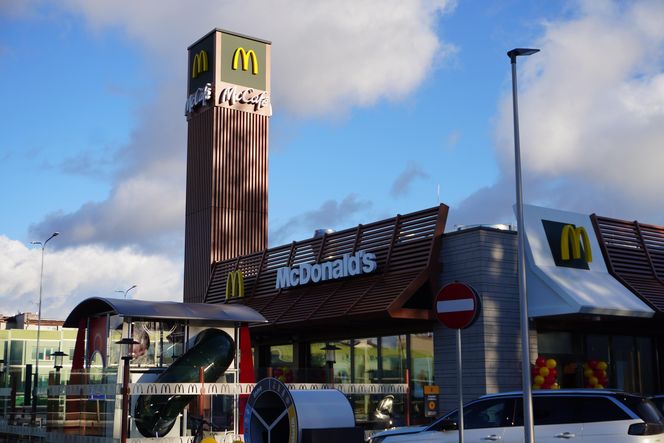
[(245, 97)]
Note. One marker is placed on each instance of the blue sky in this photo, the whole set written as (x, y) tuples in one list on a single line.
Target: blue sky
[(379, 107)]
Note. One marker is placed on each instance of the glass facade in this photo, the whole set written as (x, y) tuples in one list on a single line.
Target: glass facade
[(602, 361)]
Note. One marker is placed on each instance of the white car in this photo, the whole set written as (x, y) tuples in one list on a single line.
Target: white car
[(580, 415)]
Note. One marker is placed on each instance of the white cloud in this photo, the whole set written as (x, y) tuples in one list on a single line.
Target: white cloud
[(591, 107), (74, 274)]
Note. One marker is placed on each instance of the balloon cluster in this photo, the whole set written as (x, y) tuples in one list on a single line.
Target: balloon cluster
[(595, 374), (545, 374)]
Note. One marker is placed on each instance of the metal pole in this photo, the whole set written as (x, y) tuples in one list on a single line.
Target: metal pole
[(125, 399), (523, 299), (460, 384), (41, 281)]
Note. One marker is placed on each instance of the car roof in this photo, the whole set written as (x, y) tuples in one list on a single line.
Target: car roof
[(579, 391)]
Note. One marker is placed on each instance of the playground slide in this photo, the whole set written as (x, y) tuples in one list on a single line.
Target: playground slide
[(213, 351)]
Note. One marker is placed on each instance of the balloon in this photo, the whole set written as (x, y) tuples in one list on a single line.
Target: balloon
[(599, 373), (538, 380), (544, 371), (540, 362), (546, 386), (592, 364), (588, 373), (602, 365), (536, 386), (549, 379), (534, 371), (553, 371), (599, 386), (551, 363), (555, 386), (593, 381)]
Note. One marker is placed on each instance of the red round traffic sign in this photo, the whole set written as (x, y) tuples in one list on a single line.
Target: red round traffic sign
[(457, 305)]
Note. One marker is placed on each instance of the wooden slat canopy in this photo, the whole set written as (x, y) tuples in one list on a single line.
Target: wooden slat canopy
[(634, 254), (405, 246)]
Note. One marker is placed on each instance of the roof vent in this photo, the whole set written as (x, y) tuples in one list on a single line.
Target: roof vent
[(322, 232)]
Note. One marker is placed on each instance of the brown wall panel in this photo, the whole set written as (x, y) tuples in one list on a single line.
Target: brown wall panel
[(226, 213)]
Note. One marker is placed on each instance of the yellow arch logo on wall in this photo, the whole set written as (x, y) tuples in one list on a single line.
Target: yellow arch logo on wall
[(234, 285), (246, 57), (575, 236), (200, 64)]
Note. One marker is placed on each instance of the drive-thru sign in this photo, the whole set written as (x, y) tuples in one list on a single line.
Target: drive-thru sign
[(457, 305)]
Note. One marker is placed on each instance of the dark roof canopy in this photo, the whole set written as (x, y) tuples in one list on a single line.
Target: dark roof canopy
[(398, 291), (634, 254), (160, 310)]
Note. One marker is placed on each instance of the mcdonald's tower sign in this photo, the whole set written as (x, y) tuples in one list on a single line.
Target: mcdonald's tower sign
[(229, 70), (227, 109)]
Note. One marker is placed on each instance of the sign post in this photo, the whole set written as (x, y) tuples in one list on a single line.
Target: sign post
[(457, 307)]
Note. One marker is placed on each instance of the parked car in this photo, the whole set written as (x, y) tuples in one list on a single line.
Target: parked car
[(582, 415), (659, 401)]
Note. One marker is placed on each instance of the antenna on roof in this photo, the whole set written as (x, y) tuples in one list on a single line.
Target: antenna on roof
[(438, 192)]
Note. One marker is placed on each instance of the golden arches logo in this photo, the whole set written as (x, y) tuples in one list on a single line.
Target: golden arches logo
[(200, 64), (246, 56), (575, 236), (234, 285)]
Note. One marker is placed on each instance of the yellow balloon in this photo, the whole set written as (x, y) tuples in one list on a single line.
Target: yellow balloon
[(551, 363), (602, 365), (536, 386), (538, 380), (555, 386), (588, 373), (592, 381), (599, 386), (544, 371)]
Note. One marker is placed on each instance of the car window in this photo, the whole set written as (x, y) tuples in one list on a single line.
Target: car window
[(596, 409), (550, 410), (489, 413)]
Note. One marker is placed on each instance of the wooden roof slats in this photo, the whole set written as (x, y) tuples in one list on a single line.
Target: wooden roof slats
[(403, 246), (634, 253)]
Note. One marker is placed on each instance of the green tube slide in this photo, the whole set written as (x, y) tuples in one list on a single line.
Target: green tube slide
[(213, 351)]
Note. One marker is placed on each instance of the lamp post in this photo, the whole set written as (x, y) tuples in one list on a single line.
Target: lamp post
[(125, 292), (330, 359), (523, 298), (41, 281), (126, 351)]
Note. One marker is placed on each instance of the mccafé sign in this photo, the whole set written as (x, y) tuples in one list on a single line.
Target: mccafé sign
[(348, 265), (236, 67)]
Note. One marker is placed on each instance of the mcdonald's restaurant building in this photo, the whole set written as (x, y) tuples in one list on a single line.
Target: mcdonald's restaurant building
[(595, 284)]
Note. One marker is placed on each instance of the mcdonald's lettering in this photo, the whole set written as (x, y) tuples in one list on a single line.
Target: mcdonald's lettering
[(200, 64), (246, 56), (575, 236), (234, 285)]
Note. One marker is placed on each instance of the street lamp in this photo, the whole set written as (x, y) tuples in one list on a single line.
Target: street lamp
[(330, 359), (125, 292), (126, 351), (41, 281), (523, 298)]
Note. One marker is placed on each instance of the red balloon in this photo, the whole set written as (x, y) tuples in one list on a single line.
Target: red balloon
[(549, 379), (592, 364), (534, 371), (540, 362), (553, 371), (546, 386), (599, 373), (604, 382)]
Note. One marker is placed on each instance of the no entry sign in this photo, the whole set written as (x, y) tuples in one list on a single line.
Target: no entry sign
[(457, 305)]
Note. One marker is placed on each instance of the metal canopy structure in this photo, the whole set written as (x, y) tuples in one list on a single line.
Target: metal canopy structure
[(162, 310), (634, 254), (406, 250)]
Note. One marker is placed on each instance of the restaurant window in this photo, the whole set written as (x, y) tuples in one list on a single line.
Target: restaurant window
[(421, 356), (281, 363)]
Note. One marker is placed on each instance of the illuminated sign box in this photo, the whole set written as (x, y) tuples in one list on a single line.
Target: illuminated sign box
[(229, 70)]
